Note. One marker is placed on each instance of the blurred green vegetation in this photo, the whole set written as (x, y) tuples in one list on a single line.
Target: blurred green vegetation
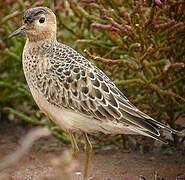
[(139, 44)]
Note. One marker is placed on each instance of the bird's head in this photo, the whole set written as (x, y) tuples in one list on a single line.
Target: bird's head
[(39, 23)]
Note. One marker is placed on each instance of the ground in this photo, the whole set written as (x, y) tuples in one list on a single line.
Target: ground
[(41, 161)]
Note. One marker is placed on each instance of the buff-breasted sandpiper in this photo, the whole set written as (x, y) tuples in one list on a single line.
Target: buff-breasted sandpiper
[(72, 91)]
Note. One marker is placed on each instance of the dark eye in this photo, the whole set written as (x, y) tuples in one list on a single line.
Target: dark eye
[(42, 20)]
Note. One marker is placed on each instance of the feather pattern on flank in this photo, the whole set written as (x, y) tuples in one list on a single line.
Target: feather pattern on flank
[(71, 90), (70, 82)]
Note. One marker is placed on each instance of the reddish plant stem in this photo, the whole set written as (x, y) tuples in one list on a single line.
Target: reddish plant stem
[(108, 61)]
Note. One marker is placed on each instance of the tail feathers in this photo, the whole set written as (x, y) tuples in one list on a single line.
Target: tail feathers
[(138, 122), (148, 127), (162, 127), (159, 138), (158, 124)]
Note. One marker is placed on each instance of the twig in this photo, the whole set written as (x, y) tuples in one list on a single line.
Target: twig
[(105, 27), (108, 61), (113, 49), (25, 145), (169, 93), (87, 15), (57, 132), (177, 65), (129, 81), (122, 27), (10, 16), (24, 117)]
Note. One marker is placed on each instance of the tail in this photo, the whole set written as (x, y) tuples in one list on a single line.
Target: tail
[(147, 126), (138, 122), (153, 129)]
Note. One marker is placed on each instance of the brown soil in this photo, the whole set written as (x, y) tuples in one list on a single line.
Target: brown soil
[(106, 164)]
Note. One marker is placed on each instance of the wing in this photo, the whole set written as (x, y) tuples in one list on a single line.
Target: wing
[(74, 82)]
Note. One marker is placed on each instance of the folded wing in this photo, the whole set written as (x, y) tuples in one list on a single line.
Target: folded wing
[(79, 85)]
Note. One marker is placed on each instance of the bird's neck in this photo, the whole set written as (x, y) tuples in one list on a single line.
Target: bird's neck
[(35, 58), (39, 38), (42, 44)]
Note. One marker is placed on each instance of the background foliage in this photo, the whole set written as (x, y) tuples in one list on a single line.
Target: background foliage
[(139, 44)]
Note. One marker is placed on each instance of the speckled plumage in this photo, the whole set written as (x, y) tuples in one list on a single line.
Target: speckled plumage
[(72, 91), (68, 81)]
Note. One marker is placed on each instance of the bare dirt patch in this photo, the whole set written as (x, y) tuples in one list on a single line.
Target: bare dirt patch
[(106, 164)]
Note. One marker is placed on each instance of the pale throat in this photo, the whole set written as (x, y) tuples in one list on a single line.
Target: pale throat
[(42, 36)]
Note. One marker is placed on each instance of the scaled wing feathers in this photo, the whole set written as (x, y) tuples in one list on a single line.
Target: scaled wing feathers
[(81, 86)]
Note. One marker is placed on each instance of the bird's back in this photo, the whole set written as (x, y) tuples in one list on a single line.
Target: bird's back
[(84, 97)]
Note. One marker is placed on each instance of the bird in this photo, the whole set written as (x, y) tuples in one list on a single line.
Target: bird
[(72, 91)]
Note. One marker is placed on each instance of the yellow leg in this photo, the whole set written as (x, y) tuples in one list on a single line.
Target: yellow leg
[(74, 145), (88, 153)]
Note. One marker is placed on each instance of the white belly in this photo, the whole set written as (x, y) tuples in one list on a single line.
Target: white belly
[(70, 120), (67, 119)]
